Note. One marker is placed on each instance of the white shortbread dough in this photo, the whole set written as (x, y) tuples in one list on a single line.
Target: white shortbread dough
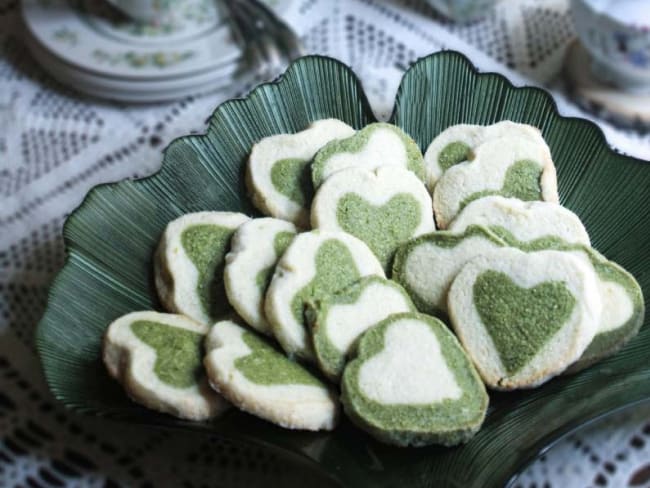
[(176, 276), (294, 271), (487, 171), (301, 145), (131, 361), (293, 406), (526, 270), (527, 221), (410, 370), (252, 251)]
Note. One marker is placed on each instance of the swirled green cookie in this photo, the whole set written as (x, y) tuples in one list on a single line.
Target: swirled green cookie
[(457, 143), (278, 175), (314, 265), (524, 317), (508, 166), (427, 265), (338, 320), (157, 359), (384, 207), (258, 379), (189, 262), (411, 384), (255, 249), (376, 145)]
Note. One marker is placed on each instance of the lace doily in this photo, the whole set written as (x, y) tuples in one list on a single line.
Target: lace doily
[(56, 144)]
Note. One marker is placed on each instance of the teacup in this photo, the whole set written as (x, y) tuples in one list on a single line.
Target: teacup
[(616, 33), (155, 12)]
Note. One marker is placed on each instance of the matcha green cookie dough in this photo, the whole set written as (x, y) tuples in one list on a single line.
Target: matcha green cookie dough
[(258, 379), (255, 249), (524, 317), (314, 265), (376, 145), (189, 262), (278, 175), (411, 384), (536, 223), (157, 359), (384, 207), (458, 142), (338, 320), (508, 166), (427, 265)]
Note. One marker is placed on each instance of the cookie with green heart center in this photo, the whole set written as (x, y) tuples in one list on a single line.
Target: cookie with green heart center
[(315, 264), (278, 172), (157, 358), (524, 317), (255, 249), (384, 208), (458, 142), (427, 265), (338, 320), (189, 262), (257, 378), (508, 166), (411, 384), (376, 145)]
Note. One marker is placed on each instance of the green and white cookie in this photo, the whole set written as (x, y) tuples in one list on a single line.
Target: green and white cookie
[(157, 359), (542, 222), (511, 167), (189, 262), (338, 320), (411, 384), (426, 266), (258, 379), (524, 317), (376, 145), (384, 207), (315, 264), (457, 143), (278, 175), (255, 249)]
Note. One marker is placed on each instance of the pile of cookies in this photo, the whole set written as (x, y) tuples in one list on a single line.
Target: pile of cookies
[(345, 293)]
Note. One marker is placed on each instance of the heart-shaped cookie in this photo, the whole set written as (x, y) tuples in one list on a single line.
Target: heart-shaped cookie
[(189, 264), (157, 358), (411, 384), (376, 145), (524, 317), (315, 264), (278, 173), (384, 208), (258, 379)]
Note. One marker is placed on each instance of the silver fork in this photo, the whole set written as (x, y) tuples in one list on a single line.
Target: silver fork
[(269, 45)]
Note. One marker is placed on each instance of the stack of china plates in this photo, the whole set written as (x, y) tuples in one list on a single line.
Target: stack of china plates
[(92, 47)]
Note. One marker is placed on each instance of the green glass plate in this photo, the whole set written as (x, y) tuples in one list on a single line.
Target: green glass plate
[(111, 236)]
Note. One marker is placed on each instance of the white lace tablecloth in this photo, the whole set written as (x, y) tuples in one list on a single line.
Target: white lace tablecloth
[(56, 144)]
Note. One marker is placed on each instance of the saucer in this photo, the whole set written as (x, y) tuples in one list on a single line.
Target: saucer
[(623, 108)]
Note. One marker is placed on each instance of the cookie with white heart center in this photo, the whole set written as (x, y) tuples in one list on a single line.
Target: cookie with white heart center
[(157, 359), (384, 207), (316, 264), (508, 166), (278, 173), (375, 145), (458, 142), (189, 262), (247, 370), (524, 317), (426, 266), (255, 249), (338, 320), (513, 219), (411, 384)]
